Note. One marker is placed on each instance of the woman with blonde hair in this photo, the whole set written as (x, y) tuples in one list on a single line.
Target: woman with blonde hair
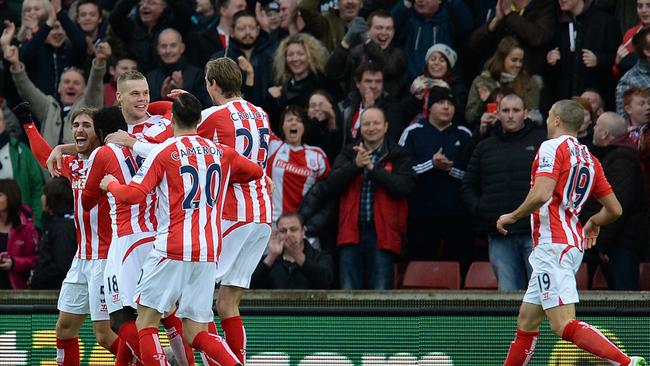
[(298, 70), (33, 13), (504, 68)]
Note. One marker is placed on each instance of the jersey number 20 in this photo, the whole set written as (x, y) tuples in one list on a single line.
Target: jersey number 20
[(213, 172)]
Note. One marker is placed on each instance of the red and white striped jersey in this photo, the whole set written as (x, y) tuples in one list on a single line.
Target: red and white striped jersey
[(93, 235), (189, 174), (245, 128), (122, 163), (294, 170), (156, 129), (578, 175)]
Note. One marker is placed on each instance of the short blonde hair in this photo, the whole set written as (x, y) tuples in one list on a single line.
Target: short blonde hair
[(129, 75), (226, 74)]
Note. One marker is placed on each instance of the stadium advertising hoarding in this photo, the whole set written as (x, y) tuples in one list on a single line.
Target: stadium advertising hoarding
[(350, 340)]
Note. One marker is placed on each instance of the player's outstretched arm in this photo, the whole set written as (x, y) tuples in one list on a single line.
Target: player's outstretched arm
[(536, 198), (129, 194), (609, 213)]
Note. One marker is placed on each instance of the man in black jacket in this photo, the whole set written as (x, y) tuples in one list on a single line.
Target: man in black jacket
[(374, 44), (496, 180), (248, 41), (369, 80), (291, 262), (623, 244), (139, 33), (174, 71)]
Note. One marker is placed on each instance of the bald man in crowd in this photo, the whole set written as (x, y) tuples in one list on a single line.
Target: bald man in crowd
[(621, 245), (175, 72)]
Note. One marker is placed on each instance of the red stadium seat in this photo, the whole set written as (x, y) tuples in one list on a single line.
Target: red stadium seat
[(599, 282), (582, 277), (481, 276), (432, 275), (644, 276)]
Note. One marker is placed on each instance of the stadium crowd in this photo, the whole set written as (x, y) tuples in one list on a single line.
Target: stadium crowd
[(401, 130)]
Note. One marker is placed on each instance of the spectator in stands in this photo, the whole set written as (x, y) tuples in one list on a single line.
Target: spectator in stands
[(637, 109), (18, 237), (586, 39), (623, 244), (586, 132), (372, 178), (11, 122), (257, 48), (268, 16), (325, 127), (489, 118), (119, 64), (532, 22), (58, 243), (333, 25), (298, 70), (91, 21), (625, 55), (18, 163), (140, 33), (371, 43), (423, 23), (205, 15), (369, 80), (436, 211), (291, 262), (73, 93), (293, 166), (174, 71), (492, 187), (438, 71), (624, 11), (33, 13), (639, 74), (505, 67), (291, 20), (56, 45), (595, 100)]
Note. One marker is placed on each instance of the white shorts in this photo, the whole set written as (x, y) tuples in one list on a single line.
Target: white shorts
[(553, 281), (82, 291), (242, 248), (124, 268), (166, 281)]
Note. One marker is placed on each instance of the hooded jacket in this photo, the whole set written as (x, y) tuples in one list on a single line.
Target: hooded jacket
[(453, 21)]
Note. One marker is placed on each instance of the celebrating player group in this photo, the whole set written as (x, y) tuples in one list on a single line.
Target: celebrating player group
[(189, 206)]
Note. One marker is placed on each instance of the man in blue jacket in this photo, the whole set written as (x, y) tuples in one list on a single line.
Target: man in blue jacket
[(436, 212), (423, 23)]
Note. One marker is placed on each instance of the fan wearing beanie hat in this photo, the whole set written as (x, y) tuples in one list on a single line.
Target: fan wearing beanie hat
[(438, 93), (449, 54)]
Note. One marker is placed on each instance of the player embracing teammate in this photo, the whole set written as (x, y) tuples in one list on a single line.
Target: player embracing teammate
[(190, 175)]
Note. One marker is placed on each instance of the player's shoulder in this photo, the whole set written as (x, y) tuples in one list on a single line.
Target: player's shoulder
[(158, 120), (555, 144), (214, 111)]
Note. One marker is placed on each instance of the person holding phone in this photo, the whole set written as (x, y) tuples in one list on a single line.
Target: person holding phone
[(504, 68)]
